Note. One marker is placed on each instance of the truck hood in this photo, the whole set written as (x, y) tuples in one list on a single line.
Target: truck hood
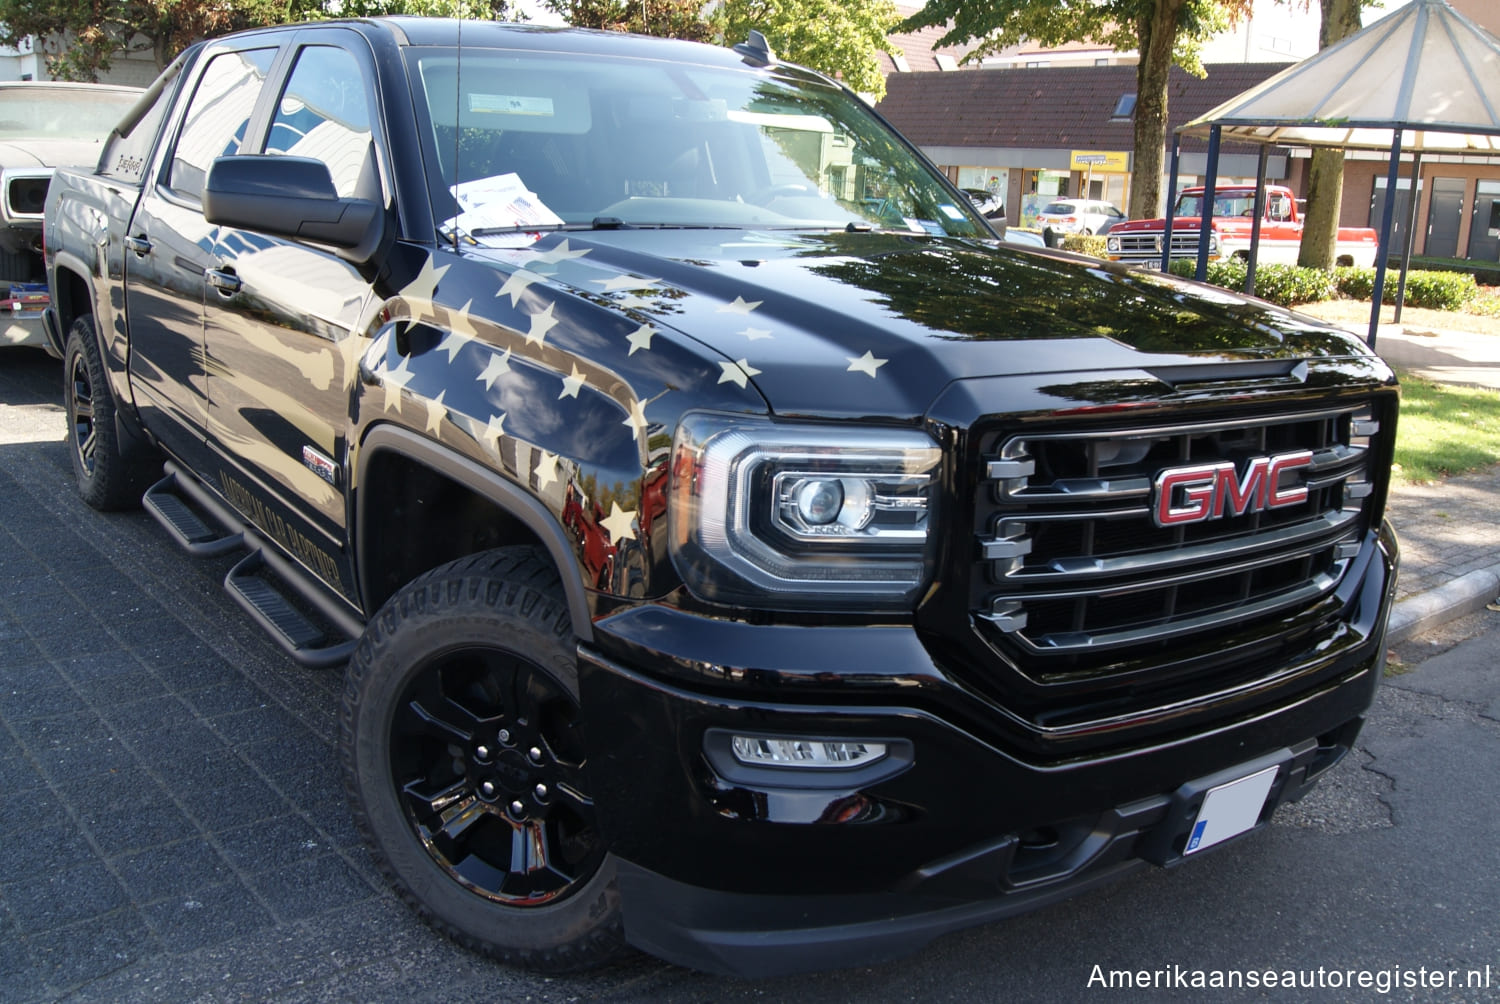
[(1178, 223), (864, 324), (49, 153)]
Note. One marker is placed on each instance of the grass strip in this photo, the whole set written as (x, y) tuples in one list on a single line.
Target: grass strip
[(1444, 430)]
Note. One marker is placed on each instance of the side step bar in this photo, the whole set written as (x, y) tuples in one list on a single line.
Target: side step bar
[(163, 501), (271, 589)]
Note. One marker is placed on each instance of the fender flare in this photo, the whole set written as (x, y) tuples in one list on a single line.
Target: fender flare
[(504, 493)]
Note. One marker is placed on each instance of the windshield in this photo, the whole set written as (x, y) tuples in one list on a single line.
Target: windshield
[(539, 139), (62, 112), (1224, 205)]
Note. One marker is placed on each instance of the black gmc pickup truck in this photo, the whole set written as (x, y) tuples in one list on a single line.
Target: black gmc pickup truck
[(736, 551)]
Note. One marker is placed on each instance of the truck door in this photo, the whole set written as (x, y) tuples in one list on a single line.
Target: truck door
[(279, 325), (168, 251)]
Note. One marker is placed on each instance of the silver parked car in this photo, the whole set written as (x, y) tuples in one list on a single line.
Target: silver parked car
[(43, 125)]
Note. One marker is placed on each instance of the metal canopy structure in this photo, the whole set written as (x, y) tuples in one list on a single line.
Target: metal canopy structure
[(1423, 79)]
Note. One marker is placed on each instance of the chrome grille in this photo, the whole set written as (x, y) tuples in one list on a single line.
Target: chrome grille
[(1074, 570), (1147, 245)]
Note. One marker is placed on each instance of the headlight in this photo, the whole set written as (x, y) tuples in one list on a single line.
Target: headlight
[(796, 516), (1112, 243)]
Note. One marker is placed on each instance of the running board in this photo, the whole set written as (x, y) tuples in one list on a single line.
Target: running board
[(171, 501), (273, 610), (313, 628)]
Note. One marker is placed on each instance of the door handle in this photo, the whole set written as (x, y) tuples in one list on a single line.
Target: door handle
[(140, 245), (226, 283)]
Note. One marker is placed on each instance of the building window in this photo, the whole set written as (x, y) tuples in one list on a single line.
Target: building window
[(1125, 107), (945, 61)]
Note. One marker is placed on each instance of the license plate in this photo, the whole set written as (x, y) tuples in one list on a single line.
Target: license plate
[(1230, 809)]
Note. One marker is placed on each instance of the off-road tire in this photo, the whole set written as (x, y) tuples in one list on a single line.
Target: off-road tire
[(106, 480), (485, 643)]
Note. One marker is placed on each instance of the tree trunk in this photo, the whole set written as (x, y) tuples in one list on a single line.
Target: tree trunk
[(1156, 35), (1325, 177)]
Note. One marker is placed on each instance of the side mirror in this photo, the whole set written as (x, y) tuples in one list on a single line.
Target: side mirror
[(290, 197)]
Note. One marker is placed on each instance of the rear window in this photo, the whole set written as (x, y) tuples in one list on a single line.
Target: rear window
[(1059, 208)]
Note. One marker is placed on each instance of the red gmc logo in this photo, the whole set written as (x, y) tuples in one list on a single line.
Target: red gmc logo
[(1212, 491)]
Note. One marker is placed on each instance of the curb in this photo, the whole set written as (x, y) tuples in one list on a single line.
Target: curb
[(1427, 610)]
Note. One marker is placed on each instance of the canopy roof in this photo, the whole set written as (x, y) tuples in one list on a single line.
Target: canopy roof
[(1425, 69)]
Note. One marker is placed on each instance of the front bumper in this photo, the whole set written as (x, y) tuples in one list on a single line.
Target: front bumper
[(770, 871)]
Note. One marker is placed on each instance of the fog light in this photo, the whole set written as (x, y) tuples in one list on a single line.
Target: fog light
[(777, 751)]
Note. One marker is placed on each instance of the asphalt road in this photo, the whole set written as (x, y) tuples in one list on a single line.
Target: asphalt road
[(172, 827)]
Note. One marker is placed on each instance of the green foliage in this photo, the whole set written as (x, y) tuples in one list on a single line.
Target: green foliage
[(1434, 290), (689, 19), (1287, 285), (1291, 284), (1163, 32), (1354, 283), (80, 38), (1116, 23), (1089, 244), (474, 10), (842, 38)]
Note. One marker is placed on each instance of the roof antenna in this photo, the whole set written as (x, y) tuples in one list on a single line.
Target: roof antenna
[(756, 50)]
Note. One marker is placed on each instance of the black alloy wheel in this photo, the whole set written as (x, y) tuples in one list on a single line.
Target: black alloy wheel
[(106, 479), (81, 413), (486, 753), (464, 762)]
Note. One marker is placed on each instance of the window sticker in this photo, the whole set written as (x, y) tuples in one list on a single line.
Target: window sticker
[(510, 104), (950, 211)]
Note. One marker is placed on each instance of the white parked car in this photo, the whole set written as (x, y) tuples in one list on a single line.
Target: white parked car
[(1079, 216)]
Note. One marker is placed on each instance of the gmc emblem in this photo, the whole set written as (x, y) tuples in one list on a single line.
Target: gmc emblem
[(1212, 491)]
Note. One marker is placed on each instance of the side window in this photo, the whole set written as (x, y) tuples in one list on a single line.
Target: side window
[(324, 113), (218, 116)]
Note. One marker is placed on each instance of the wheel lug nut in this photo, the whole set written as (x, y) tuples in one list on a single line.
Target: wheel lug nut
[(505, 735), (517, 807), (487, 789), (541, 791), (535, 754), (482, 752)]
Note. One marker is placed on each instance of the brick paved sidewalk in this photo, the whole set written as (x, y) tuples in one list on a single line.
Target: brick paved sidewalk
[(1446, 530)]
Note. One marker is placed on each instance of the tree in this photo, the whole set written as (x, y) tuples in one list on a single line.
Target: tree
[(842, 38), (1325, 174), (664, 18), (79, 38), (474, 10), (1164, 32)]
